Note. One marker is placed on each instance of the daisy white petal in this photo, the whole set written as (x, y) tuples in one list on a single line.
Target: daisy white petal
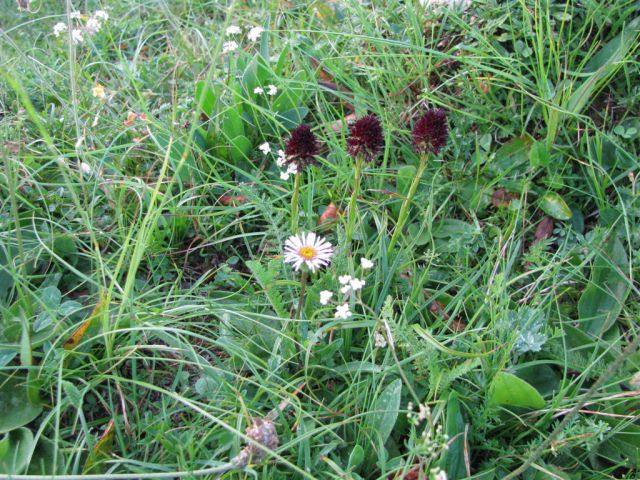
[(304, 248)]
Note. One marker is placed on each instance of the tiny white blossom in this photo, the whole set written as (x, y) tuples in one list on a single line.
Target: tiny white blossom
[(258, 90), (356, 284), (284, 175), (265, 148), (86, 168), (59, 28), (74, 15), (272, 90), (325, 296), (233, 30), (93, 26), (344, 279), (365, 263), (255, 33), (229, 46), (281, 158), (343, 311), (101, 15), (379, 340), (76, 36), (346, 289)]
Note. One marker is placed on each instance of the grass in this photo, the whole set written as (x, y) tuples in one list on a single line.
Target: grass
[(147, 318)]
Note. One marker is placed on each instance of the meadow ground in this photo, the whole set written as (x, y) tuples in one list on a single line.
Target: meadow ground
[(473, 169)]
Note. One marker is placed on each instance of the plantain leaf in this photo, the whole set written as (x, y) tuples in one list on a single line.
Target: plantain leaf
[(511, 391)]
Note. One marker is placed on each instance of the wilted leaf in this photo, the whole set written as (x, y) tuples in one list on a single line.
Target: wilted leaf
[(77, 336), (502, 198), (102, 448), (329, 214), (233, 200), (544, 229)]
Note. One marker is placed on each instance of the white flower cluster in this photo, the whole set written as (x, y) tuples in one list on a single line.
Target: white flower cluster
[(271, 90), (254, 34), (92, 25), (349, 284), (433, 440), (281, 161)]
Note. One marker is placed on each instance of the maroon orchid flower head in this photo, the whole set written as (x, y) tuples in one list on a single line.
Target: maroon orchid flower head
[(365, 138), (302, 147), (431, 131)]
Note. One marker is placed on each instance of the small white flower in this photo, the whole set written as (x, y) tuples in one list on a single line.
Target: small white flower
[(281, 158), (272, 90), (101, 15), (59, 28), (292, 169), (379, 340), (356, 284), (258, 90), (284, 175), (365, 263), (229, 46), (344, 279), (325, 296), (265, 148), (255, 33), (93, 26), (309, 249), (86, 168), (233, 30), (346, 289), (74, 15), (342, 311), (76, 36), (98, 91)]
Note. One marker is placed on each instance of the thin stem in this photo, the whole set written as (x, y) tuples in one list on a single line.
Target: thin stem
[(294, 204), (406, 204), (353, 202), (303, 328)]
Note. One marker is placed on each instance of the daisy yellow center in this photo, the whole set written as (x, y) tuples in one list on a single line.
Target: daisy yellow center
[(307, 252)]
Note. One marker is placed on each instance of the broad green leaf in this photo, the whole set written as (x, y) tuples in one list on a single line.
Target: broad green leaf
[(512, 154), (206, 97), (453, 228), (453, 459), (240, 148), (386, 409), (232, 124), (15, 408), (292, 118), (356, 457), (511, 391), (554, 205), (44, 460), (602, 300), (539, 155), (19, 448)]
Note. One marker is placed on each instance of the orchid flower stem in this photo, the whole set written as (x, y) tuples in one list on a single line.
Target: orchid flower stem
[(294, 204), (303, 328), (353, 202), (406, 204)]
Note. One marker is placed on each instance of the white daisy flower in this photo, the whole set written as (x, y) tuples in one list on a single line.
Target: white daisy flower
[(59, 28), (365, 263), (342, 311), (356, 284), (309, 249), (379, 340), (229, 46), (344, 279), (272, 90), (255, 33), (93, 26), (233, 30), (265, 148), (258, 90), (76, 36), (325, 296), (101, 15)]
